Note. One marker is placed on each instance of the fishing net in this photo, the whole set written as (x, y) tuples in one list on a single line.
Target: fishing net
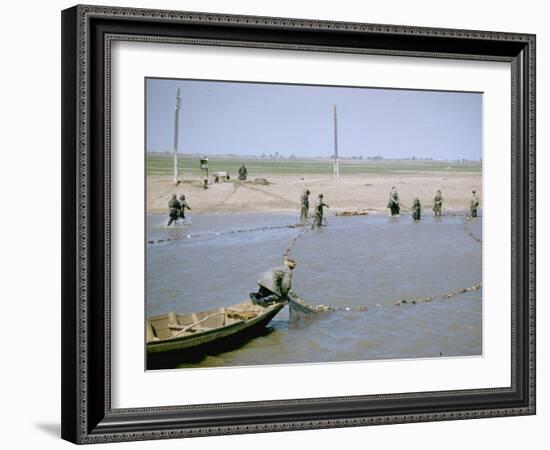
[(302, 312)]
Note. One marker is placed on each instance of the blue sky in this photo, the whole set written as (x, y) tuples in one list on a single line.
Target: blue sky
[(252, 118)]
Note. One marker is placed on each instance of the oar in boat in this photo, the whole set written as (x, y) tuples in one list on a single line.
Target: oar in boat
[(193, 325)]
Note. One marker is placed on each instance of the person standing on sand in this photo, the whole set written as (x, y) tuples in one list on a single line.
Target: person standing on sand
[(183, 205), (319, 212), (173, 209), (243, 173), (416, 208), (275, 284), (438, 203), (393, 203), (304, 202), (474, 203)]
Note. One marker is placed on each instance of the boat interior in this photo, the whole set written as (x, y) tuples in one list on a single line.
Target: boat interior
[(172, 325)]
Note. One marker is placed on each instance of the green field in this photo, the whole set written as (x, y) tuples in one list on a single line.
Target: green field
[(161, 164)]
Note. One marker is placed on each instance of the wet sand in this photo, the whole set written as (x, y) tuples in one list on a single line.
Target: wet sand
[(350, 192)]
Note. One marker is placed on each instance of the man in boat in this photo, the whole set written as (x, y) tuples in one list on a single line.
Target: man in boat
[(416, 208), (275, 284), (243, 173), (183, 205), (438, 203), (393, 203), (304, 202), (319, 212), (173, 209), (474, 203)]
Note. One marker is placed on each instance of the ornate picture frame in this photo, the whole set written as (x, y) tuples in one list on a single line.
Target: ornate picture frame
[(88, 33)]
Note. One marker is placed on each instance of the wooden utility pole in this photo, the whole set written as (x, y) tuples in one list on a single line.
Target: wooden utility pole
[(176, 134), (336, 165)]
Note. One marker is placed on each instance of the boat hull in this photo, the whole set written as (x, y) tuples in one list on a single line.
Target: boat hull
[(171, 354)]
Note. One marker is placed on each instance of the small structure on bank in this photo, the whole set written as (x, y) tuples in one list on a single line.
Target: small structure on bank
[(262, 181), (220, 176)]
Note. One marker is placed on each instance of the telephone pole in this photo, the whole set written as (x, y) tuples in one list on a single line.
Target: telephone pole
[(176, 133), (336, 166)]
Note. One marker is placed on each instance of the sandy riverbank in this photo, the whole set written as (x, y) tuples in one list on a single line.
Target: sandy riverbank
[(350, 192)]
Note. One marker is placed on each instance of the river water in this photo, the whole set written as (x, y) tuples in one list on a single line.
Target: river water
[(371, 261)]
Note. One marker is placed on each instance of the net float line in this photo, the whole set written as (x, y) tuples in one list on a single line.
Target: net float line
[(399, 302), (402, 301), (222, 233)]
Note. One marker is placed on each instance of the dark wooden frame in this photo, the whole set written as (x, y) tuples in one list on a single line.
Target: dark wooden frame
[(87, 32)]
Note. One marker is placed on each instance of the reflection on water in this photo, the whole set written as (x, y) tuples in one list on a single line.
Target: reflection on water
[(354, 261)]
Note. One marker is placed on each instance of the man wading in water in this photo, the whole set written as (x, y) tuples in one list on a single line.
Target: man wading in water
[(319, 212), (304, 201), (183, 205), (275, 284), (474, 203), (438, 204), (393, 204), (174, 209), (416, 209)]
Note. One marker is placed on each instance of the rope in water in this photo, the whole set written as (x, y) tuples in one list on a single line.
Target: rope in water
[(291, 243), (404, 301), (221, 233), (305, 229), (399, 302), (469, 232)]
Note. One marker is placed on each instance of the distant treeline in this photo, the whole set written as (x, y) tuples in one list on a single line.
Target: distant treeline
[(278, 156)]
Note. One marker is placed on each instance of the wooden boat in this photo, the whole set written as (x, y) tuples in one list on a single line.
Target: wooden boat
[(174, 339)]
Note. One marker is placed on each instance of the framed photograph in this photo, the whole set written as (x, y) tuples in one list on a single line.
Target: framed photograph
[(281, 224)]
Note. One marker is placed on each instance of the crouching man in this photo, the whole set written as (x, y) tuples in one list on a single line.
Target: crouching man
[(275, 284)]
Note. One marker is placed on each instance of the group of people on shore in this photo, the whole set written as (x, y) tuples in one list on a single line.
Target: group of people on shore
[(395, 205)]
